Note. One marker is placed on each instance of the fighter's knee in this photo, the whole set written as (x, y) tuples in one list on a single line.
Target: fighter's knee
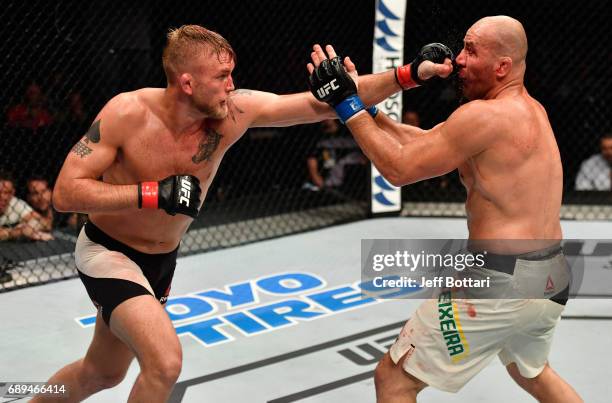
[(392, 380), (538, 385), (379, 377), (95, 379), (165, 370), (382, 372), (169, 372), (107, 381)]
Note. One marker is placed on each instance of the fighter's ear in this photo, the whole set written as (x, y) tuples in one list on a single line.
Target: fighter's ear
[(503, 67), (186, 83)]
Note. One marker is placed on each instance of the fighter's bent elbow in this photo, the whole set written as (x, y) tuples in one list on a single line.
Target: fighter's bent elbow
[(395, 181), (58, 199), (392, 175), (400, 174), (393, 163)]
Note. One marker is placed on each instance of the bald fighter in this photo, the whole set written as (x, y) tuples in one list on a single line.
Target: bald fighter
[(504, 147), (141, 172)]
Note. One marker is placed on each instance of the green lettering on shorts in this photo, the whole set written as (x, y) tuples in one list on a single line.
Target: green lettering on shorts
[(450, 326)]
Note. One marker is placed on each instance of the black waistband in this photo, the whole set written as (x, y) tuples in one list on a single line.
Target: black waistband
[(506, 263), (100, 237)]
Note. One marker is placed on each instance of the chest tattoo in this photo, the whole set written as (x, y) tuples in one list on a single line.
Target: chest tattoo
[(208, 145)]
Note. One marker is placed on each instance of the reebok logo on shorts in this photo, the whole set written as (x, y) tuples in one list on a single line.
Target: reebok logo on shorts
[(450, 326), (550, 286)]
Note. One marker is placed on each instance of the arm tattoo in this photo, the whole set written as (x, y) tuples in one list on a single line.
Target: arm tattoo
[(242, 92), (81, 149), (207, 146), (231, 105), (232, 109), (93, 134)]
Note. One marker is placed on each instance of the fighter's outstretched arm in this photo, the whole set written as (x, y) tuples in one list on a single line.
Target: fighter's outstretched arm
[(263, 109), (405, 154)]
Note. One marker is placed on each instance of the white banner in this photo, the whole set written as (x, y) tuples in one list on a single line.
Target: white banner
[(388, 53)]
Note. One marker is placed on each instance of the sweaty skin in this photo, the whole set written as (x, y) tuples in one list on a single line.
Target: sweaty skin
[(503, 145), (514, 186), (148, 135), (138, 137), (501, 142)]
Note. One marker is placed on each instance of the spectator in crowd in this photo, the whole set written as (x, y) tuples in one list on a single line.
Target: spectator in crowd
[(39, 197), (595, 172), (334, 151), (5, 265), (17, 219), (74, 121), (56, 92), (73, 112), (32, 113), (76, 109)]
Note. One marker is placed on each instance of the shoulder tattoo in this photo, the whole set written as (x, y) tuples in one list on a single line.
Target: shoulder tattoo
[(242, 92), (93, 135), (233, 109)]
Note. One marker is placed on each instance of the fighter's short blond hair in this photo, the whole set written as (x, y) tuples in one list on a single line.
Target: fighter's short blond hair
[(187, 42)]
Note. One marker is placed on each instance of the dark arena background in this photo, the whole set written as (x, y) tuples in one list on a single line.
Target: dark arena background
[(75, 56), (63, 60)]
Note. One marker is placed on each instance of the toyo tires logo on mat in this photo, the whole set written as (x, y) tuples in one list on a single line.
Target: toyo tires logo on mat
[(262, 305)]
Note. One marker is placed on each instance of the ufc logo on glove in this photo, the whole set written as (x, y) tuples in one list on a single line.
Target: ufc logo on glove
[(185, 192), (323, 91)]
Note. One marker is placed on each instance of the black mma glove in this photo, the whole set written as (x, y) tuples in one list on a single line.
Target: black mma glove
[(175, 194), (408, 76), (330, 83)]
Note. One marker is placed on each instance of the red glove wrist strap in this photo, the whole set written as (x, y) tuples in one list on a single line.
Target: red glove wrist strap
[(404, 77), (149, 198)]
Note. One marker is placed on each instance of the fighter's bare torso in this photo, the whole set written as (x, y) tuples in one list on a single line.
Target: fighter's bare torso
[(514, 187), (150, 151)]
